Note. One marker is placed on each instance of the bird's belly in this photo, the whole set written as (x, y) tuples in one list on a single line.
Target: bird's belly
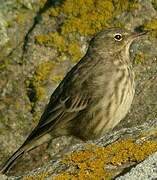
[(114, 114), (121, 111)]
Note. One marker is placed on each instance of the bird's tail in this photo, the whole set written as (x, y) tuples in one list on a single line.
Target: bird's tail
[(8, 164), (27, 146)]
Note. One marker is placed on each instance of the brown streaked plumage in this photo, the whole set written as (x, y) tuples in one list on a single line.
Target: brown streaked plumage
[(93, 97)]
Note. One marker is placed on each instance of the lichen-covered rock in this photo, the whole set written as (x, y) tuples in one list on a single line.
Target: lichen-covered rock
[(115, 154), (41, 40), (15, 21), (3, 32), (144, 171)]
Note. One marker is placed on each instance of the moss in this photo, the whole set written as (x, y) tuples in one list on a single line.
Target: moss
[(91, 163)]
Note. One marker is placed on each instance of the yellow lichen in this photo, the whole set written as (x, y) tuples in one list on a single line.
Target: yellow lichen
[(53, 39), (91, 163), (56, 40), (41, 74), (88, 17), (41, 176), (57, 78), (22, 17), (139, 58), (154, 2), (4, 64), (152, 26), (85, 17), (129, 151), (75, 51), (43, 70)]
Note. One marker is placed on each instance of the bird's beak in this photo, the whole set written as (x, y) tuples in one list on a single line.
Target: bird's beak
[(139, 34), (136, 35)]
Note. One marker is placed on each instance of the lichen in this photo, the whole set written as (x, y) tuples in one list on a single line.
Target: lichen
[(152, 27), (92, 162), (154, 2), (74, 51), (22, 17), (40, 76), (81, 17), (91, 16), (36, 90), (139, 58), (4, 64), (57, 78), (40, 176), (53, 39), (56, 40)]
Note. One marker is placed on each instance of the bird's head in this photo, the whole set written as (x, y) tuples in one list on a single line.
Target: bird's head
[(114, 40)]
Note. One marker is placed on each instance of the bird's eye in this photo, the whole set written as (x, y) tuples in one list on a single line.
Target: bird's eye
[(118, 37)]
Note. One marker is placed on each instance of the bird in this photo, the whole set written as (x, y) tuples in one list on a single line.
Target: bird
[(93, 97)]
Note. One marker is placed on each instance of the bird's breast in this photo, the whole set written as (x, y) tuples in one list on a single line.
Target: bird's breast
[(116, 100)]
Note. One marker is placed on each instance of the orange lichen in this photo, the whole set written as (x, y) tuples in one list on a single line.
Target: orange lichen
[(92, 162)]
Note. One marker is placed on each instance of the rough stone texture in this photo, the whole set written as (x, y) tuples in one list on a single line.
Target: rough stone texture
[(112, 156), (144, 171), (3, 34), (40, 43), (14, 103)]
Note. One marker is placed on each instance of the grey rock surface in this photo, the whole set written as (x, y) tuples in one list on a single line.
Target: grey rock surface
[(63, 167), (147, 170), (3, 32)]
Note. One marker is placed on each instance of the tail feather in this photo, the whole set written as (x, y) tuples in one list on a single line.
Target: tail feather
[(12, 159), (27, 146)]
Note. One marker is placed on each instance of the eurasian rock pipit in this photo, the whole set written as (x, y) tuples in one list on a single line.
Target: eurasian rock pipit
[(93, 97)]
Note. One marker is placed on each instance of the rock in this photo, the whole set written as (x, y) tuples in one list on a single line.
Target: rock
[(41, 41), (113, 156), (143, 171), (3, 32), (3, 177)]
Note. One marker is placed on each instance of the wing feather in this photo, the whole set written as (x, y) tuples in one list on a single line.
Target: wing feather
[(67, 101)]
